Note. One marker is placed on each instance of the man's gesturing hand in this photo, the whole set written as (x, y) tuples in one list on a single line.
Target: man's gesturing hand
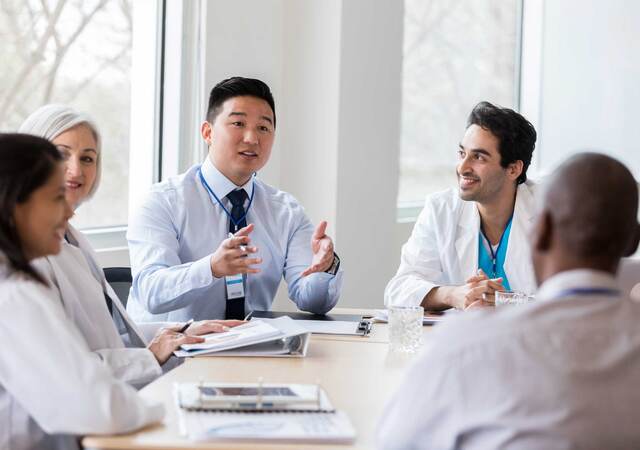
[(231, 257), (322, 248)]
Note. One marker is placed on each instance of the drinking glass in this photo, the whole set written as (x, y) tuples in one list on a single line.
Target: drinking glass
[(512, 298), (405, 328)]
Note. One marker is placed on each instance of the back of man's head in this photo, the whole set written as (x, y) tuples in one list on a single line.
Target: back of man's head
[(516, 135), (589, 217), (238, 87)]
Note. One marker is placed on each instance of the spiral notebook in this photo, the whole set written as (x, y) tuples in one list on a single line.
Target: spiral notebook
[(312, 419)]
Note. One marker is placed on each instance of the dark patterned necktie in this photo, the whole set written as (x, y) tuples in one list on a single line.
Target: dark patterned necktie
[(235, 307)]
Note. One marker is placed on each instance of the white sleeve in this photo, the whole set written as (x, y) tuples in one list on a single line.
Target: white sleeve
[(420, 263), (136, 366), (419, 414), (161, 281), (47, 367)]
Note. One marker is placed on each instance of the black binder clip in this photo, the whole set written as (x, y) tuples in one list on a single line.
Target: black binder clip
[(364, 327)]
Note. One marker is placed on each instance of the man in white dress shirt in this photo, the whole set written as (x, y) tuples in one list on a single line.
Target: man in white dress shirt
[(470, 242), (559, 373), (184, 264)]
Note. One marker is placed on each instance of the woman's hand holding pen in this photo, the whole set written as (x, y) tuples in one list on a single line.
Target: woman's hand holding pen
[(168, 340), (231, 257)]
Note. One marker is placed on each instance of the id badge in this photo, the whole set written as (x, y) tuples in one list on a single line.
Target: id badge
[(235, 286)]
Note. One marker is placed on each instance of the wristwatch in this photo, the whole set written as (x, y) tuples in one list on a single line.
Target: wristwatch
[(335, 265)]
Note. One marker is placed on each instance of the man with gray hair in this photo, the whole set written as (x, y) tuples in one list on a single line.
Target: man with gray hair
[(558, 373)]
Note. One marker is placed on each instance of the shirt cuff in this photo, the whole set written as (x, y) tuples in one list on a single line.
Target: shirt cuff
[(201, 271)]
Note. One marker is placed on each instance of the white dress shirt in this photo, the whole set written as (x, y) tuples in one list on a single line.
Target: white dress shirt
[(51, 385), (78, 281), (560, 373), (179, 226), (443, 247)]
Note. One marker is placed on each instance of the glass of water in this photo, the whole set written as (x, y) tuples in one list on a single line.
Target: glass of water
[(512, 298), (405, 328)]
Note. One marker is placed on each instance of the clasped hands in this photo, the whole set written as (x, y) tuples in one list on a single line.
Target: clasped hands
[(477, 292), (233, 255)]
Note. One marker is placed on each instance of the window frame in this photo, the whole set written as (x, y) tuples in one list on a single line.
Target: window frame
[(175, 99), (408, 211)]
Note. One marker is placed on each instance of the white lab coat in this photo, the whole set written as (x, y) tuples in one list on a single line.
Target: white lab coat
[(443, 247), (79, 283), (51, 385)]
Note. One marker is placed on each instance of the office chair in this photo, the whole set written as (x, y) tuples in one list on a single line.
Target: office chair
[(120, 280)]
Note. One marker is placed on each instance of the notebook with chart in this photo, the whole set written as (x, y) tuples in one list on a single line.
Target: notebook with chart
[(287, 413)]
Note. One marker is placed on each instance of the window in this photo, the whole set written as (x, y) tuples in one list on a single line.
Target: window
[(456, 53), (81, 53)]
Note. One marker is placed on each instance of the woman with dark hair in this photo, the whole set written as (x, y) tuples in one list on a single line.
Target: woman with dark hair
[(51, 386)]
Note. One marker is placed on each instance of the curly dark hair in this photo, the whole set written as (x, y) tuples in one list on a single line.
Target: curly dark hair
[(516, 135)]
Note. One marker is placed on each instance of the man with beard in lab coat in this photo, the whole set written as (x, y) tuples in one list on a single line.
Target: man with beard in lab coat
[(469, 243), (559, 373)]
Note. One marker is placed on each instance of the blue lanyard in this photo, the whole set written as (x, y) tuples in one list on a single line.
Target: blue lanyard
[(494, 255), (608, 292), (235, 223)]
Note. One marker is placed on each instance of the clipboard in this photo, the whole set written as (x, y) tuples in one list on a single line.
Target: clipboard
[(341, 324)]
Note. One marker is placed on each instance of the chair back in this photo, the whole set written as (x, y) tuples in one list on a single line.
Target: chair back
[(120, 280)]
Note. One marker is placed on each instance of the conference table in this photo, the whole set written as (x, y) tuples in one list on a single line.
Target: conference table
[(358, 373)]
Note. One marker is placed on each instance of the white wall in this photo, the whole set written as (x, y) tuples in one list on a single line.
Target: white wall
[(308, 131), (336, 81), (245, 38), (368, 148)]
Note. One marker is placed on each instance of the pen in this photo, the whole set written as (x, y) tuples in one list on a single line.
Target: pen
[(186, 325), (242, 247), (248, 315)]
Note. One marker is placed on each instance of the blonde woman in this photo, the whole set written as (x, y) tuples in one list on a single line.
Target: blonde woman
[(134, 353)]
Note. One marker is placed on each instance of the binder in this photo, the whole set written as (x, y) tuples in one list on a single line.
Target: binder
[(280, 337), (342, 324)]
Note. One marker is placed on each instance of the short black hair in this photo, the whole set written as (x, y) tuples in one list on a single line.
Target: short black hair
[(26, 163), (516, 135), (237, 87)]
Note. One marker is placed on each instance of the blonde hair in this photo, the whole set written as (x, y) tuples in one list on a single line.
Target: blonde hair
[(50, 121)]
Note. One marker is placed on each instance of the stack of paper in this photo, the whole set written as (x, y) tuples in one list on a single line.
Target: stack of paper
[(329, 428)]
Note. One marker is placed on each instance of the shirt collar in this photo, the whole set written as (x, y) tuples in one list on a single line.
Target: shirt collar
[(575, 279), (219, 183)]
